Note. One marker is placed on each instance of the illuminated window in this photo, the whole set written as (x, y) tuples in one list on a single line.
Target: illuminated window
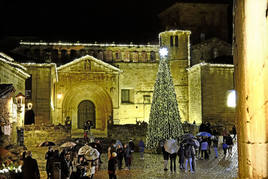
[(231, 98)]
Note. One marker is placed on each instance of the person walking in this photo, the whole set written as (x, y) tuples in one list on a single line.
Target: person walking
[(173, 162), (165, 155), (127, 156), (215, 142), (66, 166), (204, 148), (229, 142), (49, 163), (181, 156), (112, 166), (30, 167), (141, 149), (234, 132), (188, 153), (120, 156)]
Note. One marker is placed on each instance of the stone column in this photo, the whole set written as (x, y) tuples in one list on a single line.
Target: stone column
[(251, 79)]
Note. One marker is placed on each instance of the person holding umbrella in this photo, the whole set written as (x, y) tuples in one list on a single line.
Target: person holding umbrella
[(172, 148)]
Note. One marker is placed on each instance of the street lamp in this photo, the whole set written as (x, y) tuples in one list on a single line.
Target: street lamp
[(163, 52)]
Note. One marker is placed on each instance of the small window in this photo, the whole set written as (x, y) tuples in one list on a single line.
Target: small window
[(125, 96), (176, 41), (152, 56), (146, 99), (171, 41)]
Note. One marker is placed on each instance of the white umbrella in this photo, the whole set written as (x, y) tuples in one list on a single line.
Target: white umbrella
[(171, 146), (68, 144), (92, 154), (84, 149)]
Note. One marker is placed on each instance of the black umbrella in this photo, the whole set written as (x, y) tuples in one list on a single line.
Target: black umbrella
[(46, 143)]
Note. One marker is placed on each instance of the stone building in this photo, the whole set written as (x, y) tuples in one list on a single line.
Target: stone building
[(204, 18), (12, 90), (113, 83)]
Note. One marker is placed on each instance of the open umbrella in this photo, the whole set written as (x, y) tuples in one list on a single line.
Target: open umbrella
[(187, 136), (46, 144), (92, 154), (171, 146), (68, 145), (204, 134), (84, 149)]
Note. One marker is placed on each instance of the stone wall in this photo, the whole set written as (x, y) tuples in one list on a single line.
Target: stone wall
[(217, 81), (43, 76), (36, 134), (210, 49), (62, 53), (195, 98)]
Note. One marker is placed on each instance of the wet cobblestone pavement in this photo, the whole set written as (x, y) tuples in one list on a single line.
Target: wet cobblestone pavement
[(152, 167)]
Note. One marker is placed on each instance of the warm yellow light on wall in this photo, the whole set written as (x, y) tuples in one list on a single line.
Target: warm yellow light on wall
[(59, 96), (231, 99)]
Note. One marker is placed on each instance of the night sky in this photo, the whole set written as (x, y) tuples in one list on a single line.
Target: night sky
[(83, 20), (87, 20)]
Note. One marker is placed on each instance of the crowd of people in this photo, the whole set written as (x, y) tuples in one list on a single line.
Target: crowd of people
[(70, 163), (192, 148)]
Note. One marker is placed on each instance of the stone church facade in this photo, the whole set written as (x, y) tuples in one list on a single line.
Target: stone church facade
[(109, 83)]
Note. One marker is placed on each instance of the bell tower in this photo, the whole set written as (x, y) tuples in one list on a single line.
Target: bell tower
[(178, 44)]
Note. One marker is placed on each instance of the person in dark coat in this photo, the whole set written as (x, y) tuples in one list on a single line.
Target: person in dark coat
[(66, 166), (127, 156), (173, 162), (234, 131), (30, 167), (131, 145), (229, 142), (181, 156), (120, 156), (141, 149), (188, 154), (112, 166), (49, 158)]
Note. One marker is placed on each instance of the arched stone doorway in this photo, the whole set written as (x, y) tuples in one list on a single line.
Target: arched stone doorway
[(76, 98), (86, 111)]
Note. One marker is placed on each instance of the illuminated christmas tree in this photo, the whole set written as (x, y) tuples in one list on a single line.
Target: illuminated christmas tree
[(164, 120)]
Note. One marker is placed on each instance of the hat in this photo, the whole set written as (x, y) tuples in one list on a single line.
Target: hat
[(114, 154)]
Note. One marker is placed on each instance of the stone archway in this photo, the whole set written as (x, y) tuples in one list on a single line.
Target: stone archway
[(96, 95)]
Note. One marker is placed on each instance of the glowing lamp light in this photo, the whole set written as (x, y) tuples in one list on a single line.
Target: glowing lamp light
[(163, 52), (231, 99), (59, 96)]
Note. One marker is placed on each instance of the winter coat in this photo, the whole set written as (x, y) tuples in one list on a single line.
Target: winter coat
[(204, 145), (181, 154), (112, 165), (229, 140), (141, 146), (30, 169), (188, 152)]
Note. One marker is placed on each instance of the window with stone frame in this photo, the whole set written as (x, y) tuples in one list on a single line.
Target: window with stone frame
[(176, 41), (127, 95), (146, 99), (171, 41)]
